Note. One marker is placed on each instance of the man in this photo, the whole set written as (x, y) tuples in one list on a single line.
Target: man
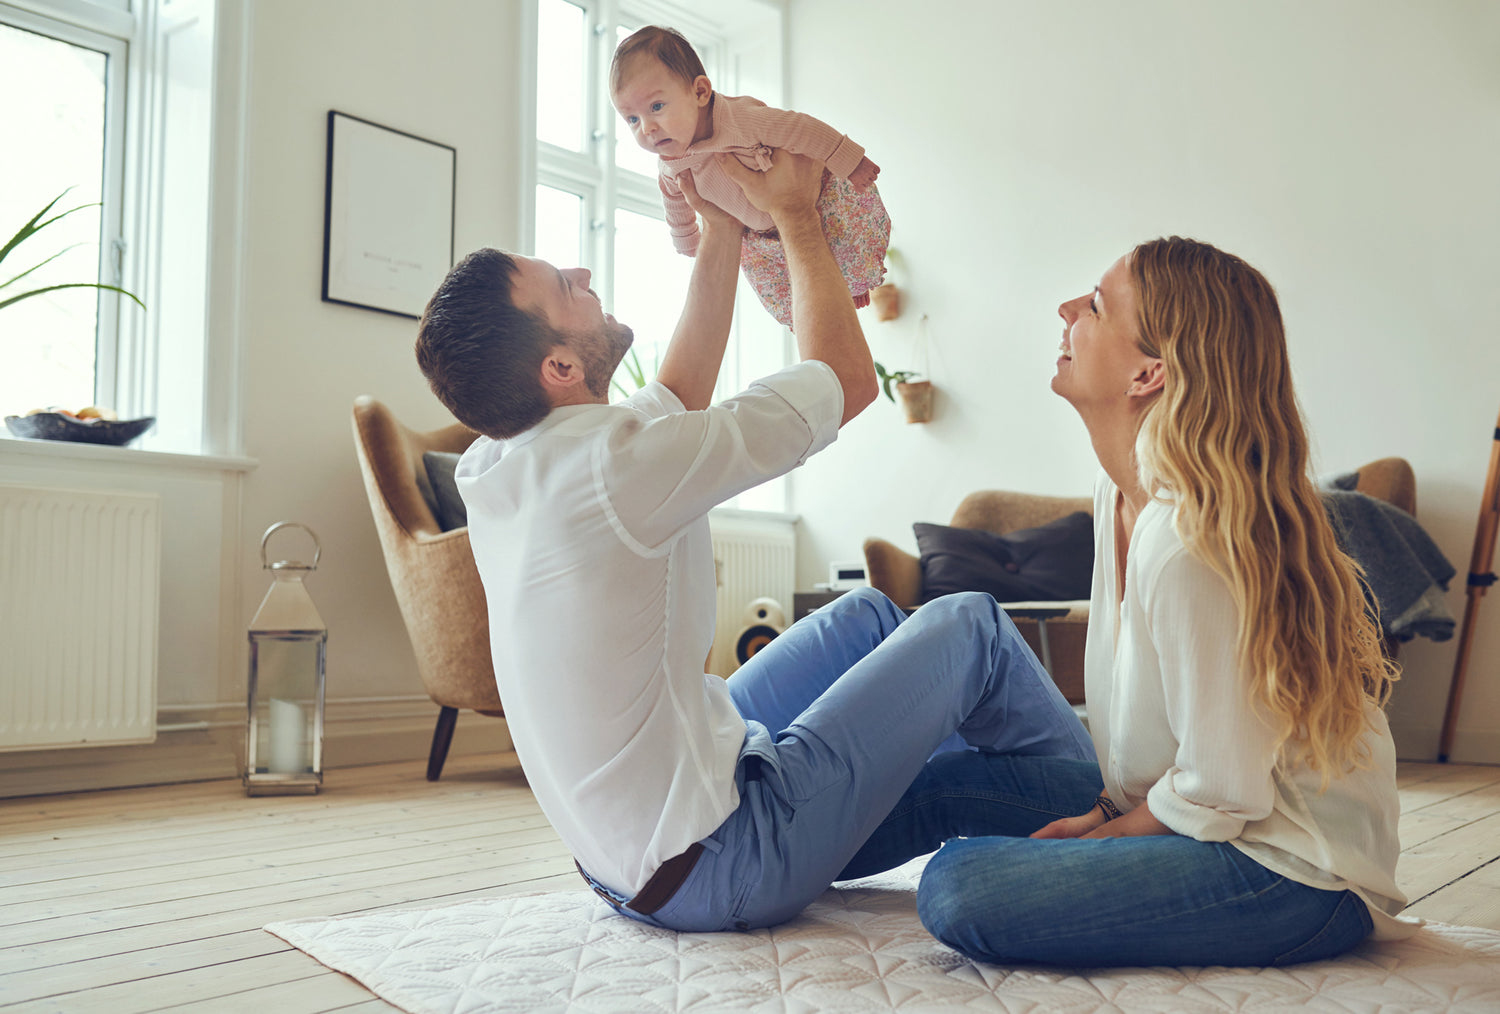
[(692, 803)]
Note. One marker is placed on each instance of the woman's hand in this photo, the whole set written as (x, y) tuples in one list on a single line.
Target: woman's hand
[(1073, 827), (1096, 824), (1139, 821)]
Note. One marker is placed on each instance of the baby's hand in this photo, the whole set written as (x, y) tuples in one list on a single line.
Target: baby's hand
[(863, 176)]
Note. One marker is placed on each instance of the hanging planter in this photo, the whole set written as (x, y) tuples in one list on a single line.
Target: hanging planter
[(916, 399), (915, 395), (887, 301), (886, 298)]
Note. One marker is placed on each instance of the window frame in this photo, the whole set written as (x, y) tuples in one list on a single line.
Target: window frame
[(591, 173), (164, 356), (113, 33)]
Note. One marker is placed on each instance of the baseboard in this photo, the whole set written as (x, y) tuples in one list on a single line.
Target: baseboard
[(1420, 743), (205, 742)]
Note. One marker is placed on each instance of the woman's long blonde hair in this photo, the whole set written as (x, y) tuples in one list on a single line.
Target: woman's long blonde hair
[(1225, 443)]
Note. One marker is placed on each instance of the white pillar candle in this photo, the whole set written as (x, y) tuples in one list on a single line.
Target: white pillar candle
[(287, 729)]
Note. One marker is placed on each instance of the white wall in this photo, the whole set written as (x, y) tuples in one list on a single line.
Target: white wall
[(443, 71), (1348, 149), (446, 72)]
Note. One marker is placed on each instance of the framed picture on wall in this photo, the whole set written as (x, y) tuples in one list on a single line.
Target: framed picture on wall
[(387, 216)]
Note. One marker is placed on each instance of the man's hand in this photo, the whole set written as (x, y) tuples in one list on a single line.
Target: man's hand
[(790, 187), (714, 217), (822, 310)]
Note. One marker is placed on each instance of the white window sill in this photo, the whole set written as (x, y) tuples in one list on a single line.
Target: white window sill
[(18, 451)]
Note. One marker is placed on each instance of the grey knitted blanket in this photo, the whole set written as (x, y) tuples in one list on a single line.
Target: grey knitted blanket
[(1406, 571)]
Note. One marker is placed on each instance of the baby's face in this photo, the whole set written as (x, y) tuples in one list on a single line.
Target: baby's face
[(665, 115)]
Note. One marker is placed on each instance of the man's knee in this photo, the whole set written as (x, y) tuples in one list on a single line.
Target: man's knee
[(866, 598), (963, 607)]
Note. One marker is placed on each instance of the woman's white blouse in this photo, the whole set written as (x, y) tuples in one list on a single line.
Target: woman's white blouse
[(1171, 716)]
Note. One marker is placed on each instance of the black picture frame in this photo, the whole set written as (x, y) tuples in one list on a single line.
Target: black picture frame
[(388, 215)]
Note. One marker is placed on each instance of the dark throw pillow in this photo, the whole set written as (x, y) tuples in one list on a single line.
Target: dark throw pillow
[(1051, 562), (450, 510)]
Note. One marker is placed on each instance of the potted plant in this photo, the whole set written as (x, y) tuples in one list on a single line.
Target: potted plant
[(916, 395), (63, 424), (886, 298)]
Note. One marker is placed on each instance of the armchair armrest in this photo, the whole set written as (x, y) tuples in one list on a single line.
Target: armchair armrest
[(893, 571)]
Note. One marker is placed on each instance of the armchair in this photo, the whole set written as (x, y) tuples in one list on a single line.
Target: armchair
[(432, 571)]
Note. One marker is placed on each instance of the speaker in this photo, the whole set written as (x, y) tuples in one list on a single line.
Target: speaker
[(764, 619)]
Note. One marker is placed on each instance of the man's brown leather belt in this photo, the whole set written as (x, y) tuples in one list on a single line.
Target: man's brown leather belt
[(663, 883)]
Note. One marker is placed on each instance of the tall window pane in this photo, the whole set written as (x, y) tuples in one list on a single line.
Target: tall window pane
[(559, 227), (54, 123), (559, 74), (651, 283)]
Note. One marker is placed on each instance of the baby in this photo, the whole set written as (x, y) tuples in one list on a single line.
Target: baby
[(658, 85)]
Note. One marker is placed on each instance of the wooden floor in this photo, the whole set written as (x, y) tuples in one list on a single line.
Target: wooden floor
[(152, 899)]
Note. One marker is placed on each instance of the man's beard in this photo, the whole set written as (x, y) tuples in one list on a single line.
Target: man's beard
[(601, 353)]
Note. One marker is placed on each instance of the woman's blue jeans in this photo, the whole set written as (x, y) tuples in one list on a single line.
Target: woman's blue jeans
[(1154, 900)]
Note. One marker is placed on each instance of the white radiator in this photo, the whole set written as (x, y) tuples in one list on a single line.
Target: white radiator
[(79, 586), (755, 559)]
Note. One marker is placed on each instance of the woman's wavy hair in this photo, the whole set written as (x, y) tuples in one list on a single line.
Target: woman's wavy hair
[(1224, 441)]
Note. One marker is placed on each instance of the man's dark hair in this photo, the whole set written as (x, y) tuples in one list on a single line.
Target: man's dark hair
[(481, 353), (666, 44)]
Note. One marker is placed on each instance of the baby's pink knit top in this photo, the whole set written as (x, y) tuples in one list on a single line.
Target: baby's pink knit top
[(746, 128)]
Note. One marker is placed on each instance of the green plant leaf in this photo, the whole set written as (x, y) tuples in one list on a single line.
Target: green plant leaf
[(49, 260), (70, 285), (38, 222)]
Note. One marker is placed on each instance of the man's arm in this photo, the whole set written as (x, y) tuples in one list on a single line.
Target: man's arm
[(690, 366), (822, 309)]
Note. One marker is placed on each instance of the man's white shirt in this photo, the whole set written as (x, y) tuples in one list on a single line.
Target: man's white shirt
[(590, 532)]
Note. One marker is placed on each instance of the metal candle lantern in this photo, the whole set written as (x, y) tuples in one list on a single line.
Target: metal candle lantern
[(288, 653)]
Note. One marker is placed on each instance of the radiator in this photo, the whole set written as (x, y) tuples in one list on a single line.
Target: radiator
[(79, 588), (755, 559)]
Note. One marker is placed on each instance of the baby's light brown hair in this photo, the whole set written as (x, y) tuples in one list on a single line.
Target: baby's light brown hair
[(666, 45)]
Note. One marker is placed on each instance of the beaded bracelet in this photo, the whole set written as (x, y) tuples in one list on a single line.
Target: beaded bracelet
[(1111, 811)]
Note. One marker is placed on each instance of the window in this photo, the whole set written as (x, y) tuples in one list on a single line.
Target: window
[(595, 199), (89, 88)]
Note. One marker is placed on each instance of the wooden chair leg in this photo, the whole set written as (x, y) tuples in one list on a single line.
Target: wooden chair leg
[(442, 738)]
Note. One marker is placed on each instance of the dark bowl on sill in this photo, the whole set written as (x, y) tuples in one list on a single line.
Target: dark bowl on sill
[(56, 426)]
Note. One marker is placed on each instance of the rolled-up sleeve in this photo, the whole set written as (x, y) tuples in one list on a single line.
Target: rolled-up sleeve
[(1222, 774)]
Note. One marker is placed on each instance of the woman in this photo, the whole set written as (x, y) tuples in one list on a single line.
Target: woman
[(1234, 678)]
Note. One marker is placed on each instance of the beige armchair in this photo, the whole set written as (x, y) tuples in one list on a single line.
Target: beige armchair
[(432, 571), (898, 573)]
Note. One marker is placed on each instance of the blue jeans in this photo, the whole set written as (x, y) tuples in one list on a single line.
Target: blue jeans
[(843, 710), (1156, 900)]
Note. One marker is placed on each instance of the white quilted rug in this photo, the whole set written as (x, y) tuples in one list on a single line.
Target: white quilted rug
[(858, 948)]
